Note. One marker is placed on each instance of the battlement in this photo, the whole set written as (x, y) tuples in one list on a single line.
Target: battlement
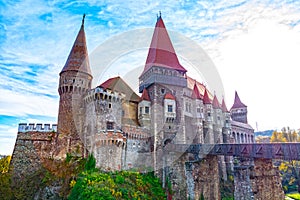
[(23, 127), (102, 94)]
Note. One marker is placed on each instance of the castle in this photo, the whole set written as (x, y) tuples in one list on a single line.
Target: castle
[(124, 130)]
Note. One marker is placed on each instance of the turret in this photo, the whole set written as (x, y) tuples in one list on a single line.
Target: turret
[(208, 123), (75, 80), (169, 108), (144, 110), (238, 111), (217, 120)]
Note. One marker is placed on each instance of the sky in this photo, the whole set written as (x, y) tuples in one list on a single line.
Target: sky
[(254, 46)]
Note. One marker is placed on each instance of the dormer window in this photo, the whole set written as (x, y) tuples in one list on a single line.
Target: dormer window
[(147, 109)]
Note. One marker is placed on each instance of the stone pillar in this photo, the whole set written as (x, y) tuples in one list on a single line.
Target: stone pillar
[(242, 182), (206, 178), (266, 182)]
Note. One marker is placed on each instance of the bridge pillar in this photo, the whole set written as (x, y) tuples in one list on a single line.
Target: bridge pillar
[(259, 181), (242, 182), (206, 178), (266, 182)]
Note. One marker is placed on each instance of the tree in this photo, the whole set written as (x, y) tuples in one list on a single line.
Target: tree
[(4, 164), (290, 170)]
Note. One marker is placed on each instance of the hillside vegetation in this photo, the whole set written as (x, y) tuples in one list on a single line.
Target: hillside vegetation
[(78, 178)]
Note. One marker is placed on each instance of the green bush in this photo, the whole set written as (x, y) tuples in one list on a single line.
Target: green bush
[(294, 196), (117, 185)]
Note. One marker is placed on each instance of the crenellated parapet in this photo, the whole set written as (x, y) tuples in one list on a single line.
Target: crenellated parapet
[(103, 95), (108, 138), (135, 132), (24, 127)]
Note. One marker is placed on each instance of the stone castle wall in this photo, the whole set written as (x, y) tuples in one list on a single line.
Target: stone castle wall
[(30, 149)]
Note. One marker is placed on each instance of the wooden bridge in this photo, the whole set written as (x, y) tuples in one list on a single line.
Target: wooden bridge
[(284, 151)]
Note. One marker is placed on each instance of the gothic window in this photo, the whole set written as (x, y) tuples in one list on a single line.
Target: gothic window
[(170, 108), (109, 125), (147, 110)]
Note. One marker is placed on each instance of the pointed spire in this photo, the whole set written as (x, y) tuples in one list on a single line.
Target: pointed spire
[(161, 52), (145, 95), (206, 99), (216, 103), (237, 102), (78, 59), (223, 106), (196, 94)]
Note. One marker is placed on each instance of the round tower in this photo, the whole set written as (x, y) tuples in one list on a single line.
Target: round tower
[(75, 80), (208, 122)]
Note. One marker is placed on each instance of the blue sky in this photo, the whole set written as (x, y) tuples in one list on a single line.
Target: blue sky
[(254, 45)]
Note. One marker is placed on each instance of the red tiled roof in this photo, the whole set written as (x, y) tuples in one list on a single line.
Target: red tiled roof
[(237, 102), (119, 85), (78, 59), (206, 99), (190, 84), (196, 94), (216, 103), (145, 95), (224, 107), (169, 96), (161, 51)]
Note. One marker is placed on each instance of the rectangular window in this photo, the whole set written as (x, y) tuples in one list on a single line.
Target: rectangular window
[(208, 114), (141, 110), (198, 110), (147, 110), (170, 108), (109, 125)]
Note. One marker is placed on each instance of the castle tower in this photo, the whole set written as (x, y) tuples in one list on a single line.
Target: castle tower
[(162, 75), (198, 114), (75, 80), (217, 120), (208, 123), (238, 111), (226, 120)]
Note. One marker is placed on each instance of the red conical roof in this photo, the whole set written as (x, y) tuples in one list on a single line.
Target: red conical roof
[(78, 59), (169, 96), (206, 99), (196, 94), (216, 103), (161, 51), (237, 102), (145, 95), (224, 107)]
